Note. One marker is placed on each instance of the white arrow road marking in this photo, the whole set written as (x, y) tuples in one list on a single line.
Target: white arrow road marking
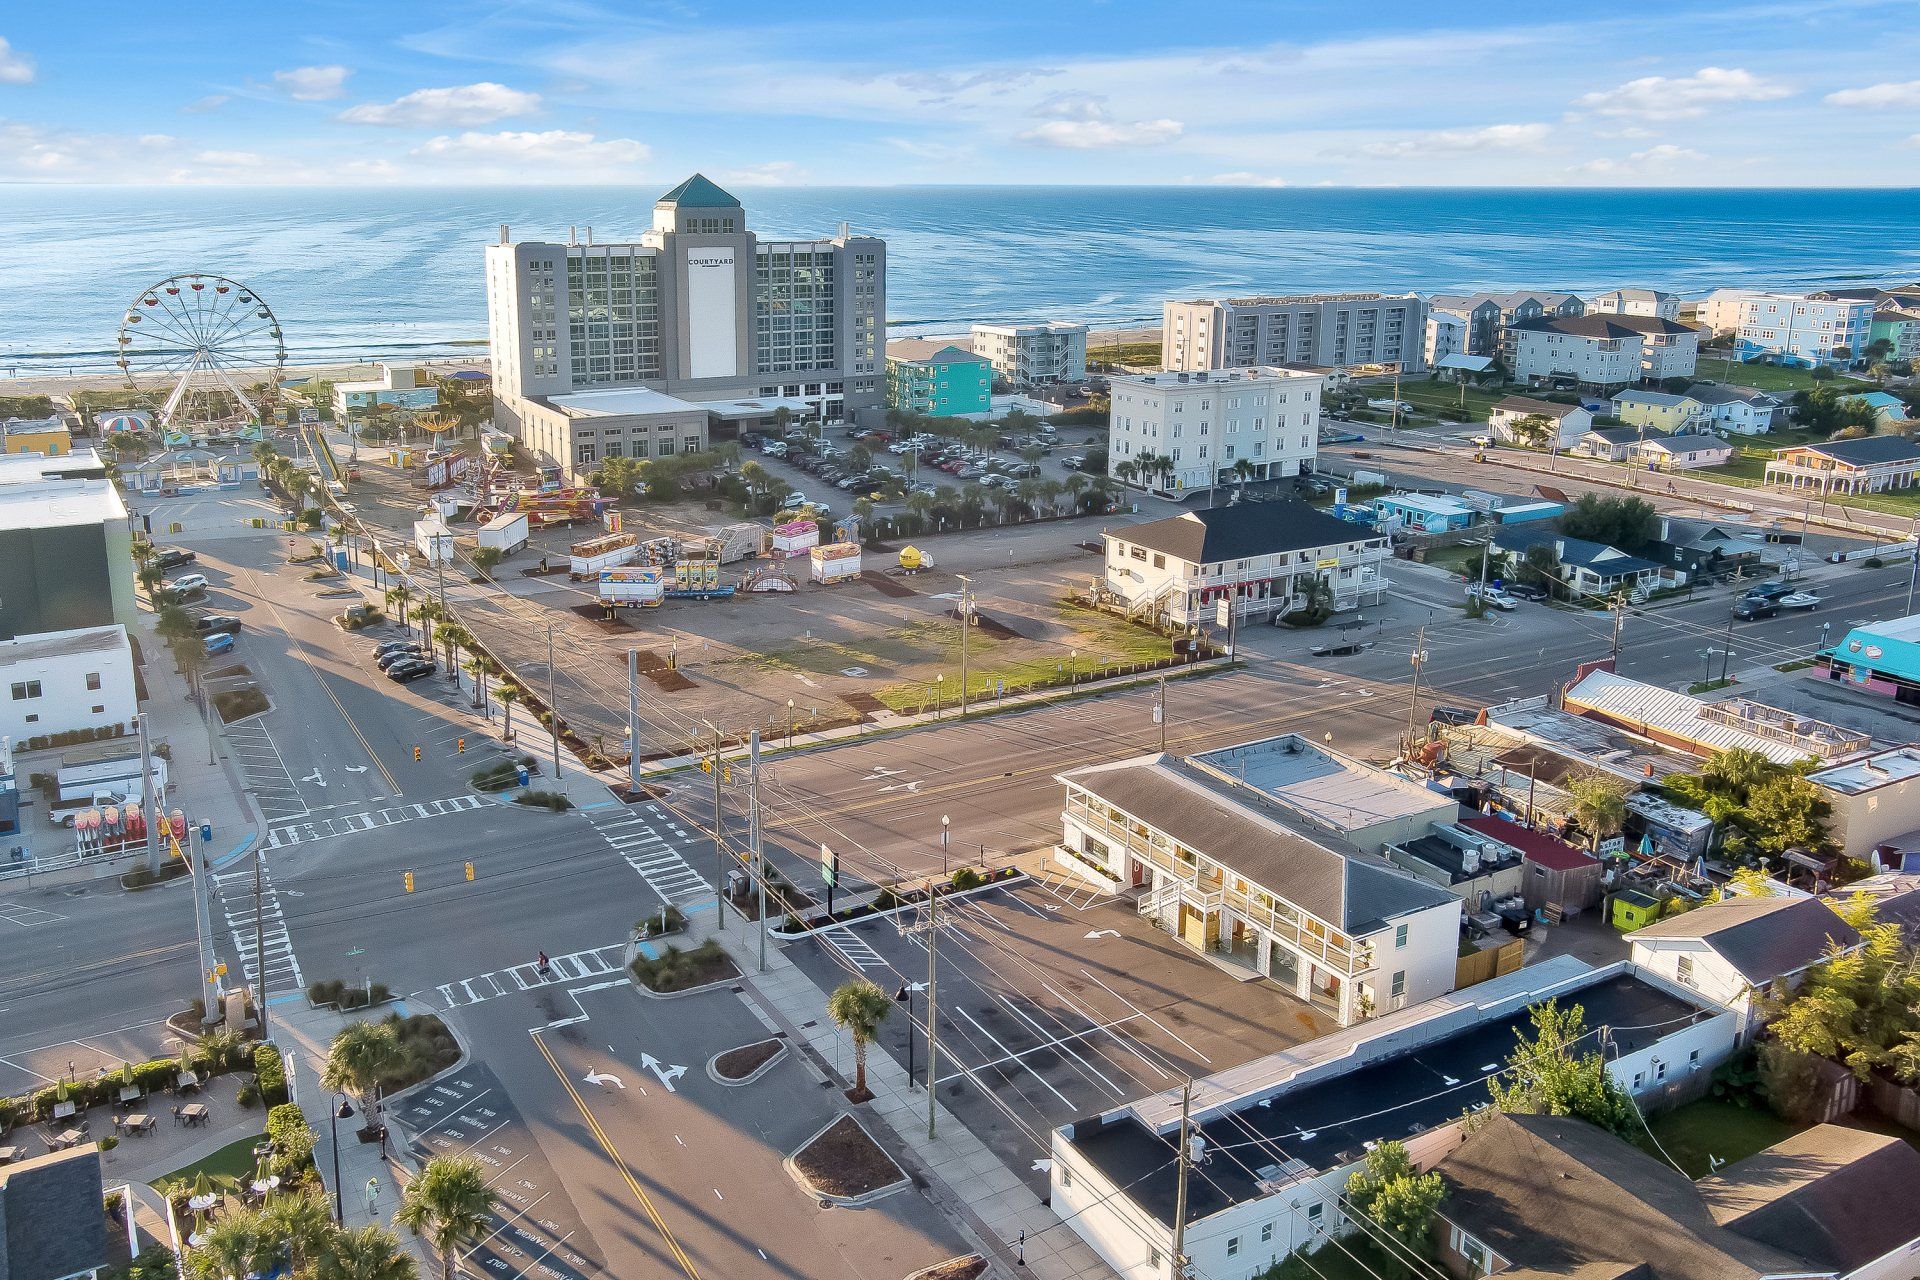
[(596, 1077), (881, 771), (1042, 1166), (666, 1073), (315, 779), (1051, 906), (916, 986), (1103, 933), (356, 768), (901, 786)]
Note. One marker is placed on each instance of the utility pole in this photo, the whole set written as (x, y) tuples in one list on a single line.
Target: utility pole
[(753, 836), (1726, 662), (633, 727), (150, 800), (719, 839), (1179, 1258), (933, 951), (553, 708), (1160, 713), (259, 940), (966, 625), (1913, 573), (1395, 424), (1413, 702), (1486, 551), (1619, 615)]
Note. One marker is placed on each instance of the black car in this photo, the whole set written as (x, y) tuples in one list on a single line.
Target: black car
[(1453, 715), (173, 558), (1527, 591), (1771, 591), (1754, 607), (216, 624), (398, 657), (388, 646), (408, 672)]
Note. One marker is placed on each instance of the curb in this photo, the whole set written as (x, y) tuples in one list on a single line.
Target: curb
[(1021, 877), (779, 1057), (846, 1202), (626, 967)]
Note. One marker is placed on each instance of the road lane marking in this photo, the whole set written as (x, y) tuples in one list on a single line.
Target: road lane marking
[(613, 1153)]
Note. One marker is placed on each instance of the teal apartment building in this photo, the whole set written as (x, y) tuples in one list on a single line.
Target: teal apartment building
[(936, 379)]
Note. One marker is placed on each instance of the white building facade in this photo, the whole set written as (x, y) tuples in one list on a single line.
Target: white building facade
[(1446, 335), (60, 682), (1201, 426), (1334, 330), (1636, 302), (1792, 328), (1603, 350), (1034, 355)]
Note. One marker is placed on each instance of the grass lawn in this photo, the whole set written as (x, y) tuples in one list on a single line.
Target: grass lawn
[(1463, 558), (1128, 353), (1440, 399), (1765, 377), (1712, 1127), (235, 1160)]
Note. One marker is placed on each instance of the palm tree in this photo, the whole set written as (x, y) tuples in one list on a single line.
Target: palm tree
[(507, 695), (920, 506), (1243, 470), (304, 1222), (478, 669), (239, 1244), (1600, 805), (371, 1253), (450, 1204), (150, 576), (428, 612), (452, 636), (360, 1054), (397, 598), (859, 1007), (1076, 486)]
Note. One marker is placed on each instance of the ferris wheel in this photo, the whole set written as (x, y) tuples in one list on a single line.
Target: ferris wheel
[(212, 344)]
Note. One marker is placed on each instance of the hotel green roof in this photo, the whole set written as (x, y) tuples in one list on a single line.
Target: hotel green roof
[(698, 192)]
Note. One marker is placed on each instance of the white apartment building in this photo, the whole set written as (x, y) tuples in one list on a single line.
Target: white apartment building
[(1488, 316), (1738, 410), (1034, 355), (699, 309), (1793, 328), (1262, 556), (1603, 350), (1446, 335), (1651, 303), (66, 681), (1173, 432), (1332, 330)]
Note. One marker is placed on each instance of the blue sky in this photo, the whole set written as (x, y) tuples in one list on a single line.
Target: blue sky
[(1493, 92)]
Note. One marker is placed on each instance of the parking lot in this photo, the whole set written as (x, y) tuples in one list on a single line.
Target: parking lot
[(1056, 1001)]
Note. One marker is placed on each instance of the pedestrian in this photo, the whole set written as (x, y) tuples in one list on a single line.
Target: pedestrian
[(542, 964)]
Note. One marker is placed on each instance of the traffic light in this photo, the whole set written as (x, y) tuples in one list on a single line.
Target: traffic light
[(416, 755), (409, 882), (726, 773), (460, 746), (469, 871), (706, 764)]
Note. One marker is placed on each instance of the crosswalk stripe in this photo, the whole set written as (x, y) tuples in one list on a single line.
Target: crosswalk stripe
[(352, 823), (568, 968)]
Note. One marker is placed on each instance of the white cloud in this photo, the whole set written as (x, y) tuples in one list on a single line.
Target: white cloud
[(774, 173), (1652, 163), (1666, 97), (466, 104), (15, 67), (1879, 97), (1493, 137), (552, 155), (1244, 179), (1082, 122), (231, 159), (312, 84), (211, 102)]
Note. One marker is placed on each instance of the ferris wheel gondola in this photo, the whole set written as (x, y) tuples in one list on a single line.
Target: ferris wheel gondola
[(210, 344)]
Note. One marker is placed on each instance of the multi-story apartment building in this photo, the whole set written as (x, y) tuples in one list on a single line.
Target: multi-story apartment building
[(1637, 302), (1488, 316), (1446, 336), (1897, 325), (1603, 350), (699, 310), (1184, 431), (937, 379), (1804, 329), (1034, 355), (1331, 330)]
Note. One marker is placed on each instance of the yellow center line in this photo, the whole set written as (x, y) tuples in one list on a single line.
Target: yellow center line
[(300, 651), (613, 1154)]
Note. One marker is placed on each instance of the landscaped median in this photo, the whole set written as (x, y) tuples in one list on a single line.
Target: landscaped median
[(843, 1165), (747, 1063)]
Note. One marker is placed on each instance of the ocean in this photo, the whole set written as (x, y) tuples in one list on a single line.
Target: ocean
[(383, 272)]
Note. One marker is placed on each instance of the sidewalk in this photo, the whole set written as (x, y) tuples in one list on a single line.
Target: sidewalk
[(966, 1180), (303, 1034)]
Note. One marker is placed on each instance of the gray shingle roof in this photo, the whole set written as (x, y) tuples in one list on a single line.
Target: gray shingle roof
[(1246, 832), (1243, 531), (1559, 1197), (1527, 404), (1762, 938), (1867, 450), (51, 1225), (1625, 435), (1839, 1197), (1604, 324)]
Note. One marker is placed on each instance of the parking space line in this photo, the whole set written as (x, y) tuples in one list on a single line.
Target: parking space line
[(1149, 1017), (1011, 1056), (1061, 1042)]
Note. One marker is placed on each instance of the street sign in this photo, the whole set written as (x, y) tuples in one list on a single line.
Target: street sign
[(829, 867), (1613, 844), (309, 416)]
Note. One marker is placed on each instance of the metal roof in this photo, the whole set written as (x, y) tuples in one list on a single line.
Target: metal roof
[(1648, 709)]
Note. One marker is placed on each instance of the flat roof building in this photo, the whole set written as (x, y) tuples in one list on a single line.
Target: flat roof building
[(1172, 433), (1337, 330), (66, 556), (1034, 355), (1873, 799), (1701, 728)]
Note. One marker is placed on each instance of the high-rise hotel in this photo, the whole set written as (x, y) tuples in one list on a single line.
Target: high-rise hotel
[(640, 349)]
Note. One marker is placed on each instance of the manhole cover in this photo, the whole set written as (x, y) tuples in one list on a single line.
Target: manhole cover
[(853, 671)]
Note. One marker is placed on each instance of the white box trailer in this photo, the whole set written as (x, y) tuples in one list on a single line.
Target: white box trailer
[(434, 540), (84, 775), (505, 533), (584, 559), (641, 588), (835, 562)]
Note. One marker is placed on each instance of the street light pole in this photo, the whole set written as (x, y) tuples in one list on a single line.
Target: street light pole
[(719, 837), (633, 725), (933, 950), (1913, 573), (335, 1115), (905, 996), (966, 625), (945, 831), (553, 707)]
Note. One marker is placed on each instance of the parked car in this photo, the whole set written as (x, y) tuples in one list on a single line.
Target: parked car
[(1753, 607), (1492, 595), (220, 643), (796, 498), (1529, 591), (188, 582), (1073, 463), (398, 657), (216, 624), (388, 646), (173, 557), (408, 672)]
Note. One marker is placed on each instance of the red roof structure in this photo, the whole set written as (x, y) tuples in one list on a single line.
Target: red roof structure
[(1536, 846)]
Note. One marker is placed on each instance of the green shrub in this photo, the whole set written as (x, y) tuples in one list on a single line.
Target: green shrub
[(552, 801), (668, 919), (495, 777), (292, 1138), (234, 704), (327, 992), (967, 878), (269, 1074), (676, 970), (249, 1095)]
